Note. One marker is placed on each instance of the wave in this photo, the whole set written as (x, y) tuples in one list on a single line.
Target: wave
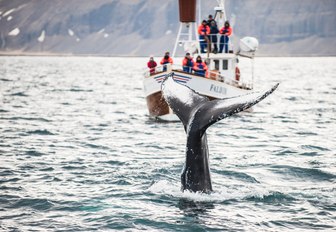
[(15, 179), (314, 147), (19, 94), (40, 132), (5, 79), (113, 162), (34, 203), (237, 175), (80, 90), (304, 173), (34, 153), (72, 90), (27, 118), (272, 197)]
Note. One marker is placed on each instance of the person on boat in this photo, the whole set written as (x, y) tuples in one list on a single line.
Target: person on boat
[(166, 60), (200, 67), (151, 65), (210, 20), (213, 36), (225, 31), (203, 31), (188, 63)]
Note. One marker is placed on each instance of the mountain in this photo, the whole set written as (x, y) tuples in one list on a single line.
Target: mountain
[(143, 27)]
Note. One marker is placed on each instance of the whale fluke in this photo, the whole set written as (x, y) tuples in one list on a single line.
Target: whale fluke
[(197, 113)]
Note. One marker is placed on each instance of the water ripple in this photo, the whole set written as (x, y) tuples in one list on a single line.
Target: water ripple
[(304, 173), (79, 152)]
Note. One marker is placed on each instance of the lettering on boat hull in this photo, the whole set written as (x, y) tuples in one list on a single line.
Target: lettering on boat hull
[(218, 89)]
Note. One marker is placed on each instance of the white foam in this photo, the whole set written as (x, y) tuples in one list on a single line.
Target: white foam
[(222, 193)]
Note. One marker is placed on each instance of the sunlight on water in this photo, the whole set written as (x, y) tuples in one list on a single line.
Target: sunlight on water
[(78, 151)]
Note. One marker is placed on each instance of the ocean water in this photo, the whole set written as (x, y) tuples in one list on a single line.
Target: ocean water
[(78, 151)]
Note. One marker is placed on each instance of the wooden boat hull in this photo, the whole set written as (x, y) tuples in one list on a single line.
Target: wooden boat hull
[(156, 104)]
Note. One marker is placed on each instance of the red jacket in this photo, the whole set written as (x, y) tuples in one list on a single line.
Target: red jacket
[(166, 61), (197, 66), (201, 69), (203, 30), (151, 65), (187, 62), (226, 31)]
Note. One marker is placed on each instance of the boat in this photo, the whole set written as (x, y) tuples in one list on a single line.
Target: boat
[(223, 78)]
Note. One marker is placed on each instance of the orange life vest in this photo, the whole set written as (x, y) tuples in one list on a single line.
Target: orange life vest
[(203, 30), (226, 31), (166, 61)]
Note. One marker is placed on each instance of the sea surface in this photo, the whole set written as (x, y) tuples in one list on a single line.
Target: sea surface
[(78, 151)]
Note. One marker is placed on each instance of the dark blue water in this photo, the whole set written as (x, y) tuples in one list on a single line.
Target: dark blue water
[(79, 153)]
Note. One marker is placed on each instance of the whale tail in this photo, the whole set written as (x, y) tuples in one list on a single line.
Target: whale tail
[(197, 112)]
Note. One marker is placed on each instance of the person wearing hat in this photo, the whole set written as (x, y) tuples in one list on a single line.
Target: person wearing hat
[(210, 20), (166, 60), (203, 31), (151, 65), (213, 36), (188, 63)]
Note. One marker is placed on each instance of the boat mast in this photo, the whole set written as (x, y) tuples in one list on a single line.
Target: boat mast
[(220, 15), (188, 27)]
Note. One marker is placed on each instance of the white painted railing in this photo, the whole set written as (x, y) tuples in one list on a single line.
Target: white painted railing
[(213, 75)]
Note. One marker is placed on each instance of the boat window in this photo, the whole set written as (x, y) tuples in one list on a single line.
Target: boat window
[(216, 64), (225, 64)]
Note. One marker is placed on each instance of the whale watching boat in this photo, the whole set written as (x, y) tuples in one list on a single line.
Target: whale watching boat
[(222, 79)]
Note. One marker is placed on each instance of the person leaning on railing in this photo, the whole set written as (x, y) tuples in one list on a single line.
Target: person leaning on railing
[(188, 63), (225, 31), (203, 31), (213, 35), (166, 60), (200, 67)]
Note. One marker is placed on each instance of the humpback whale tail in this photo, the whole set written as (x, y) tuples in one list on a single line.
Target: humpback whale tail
[(197, 113)]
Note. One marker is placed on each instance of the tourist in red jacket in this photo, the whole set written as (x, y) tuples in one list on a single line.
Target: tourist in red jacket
[(166, 60), (203, 31), (226, 31), (151, 65), (188, 63), (200, 67)]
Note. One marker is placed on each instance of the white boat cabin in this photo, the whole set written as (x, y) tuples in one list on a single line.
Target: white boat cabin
[(224, 64)]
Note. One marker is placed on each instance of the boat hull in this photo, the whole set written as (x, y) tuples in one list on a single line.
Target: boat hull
[(156, 104)]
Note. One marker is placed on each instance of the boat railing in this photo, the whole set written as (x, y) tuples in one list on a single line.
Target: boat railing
[(158, 69), (213, 75), (217, 43)]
